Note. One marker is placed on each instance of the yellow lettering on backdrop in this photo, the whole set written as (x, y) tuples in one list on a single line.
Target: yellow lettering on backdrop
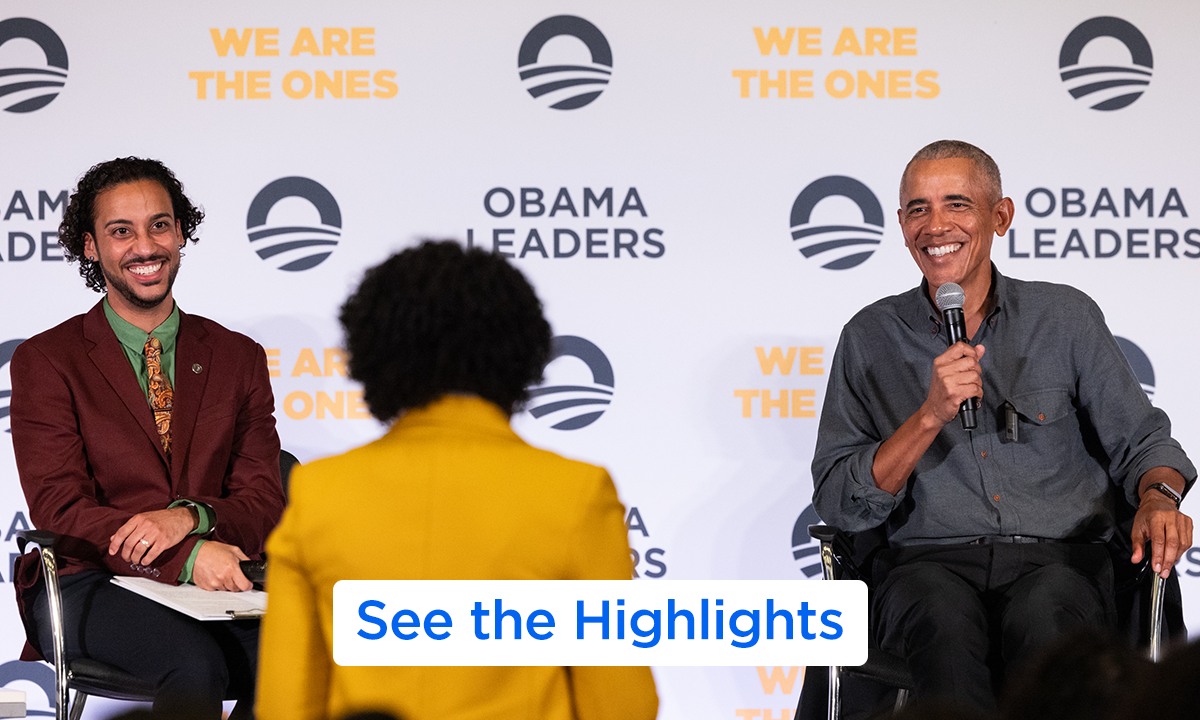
[(332, 85), (335, 362), (926, 81), (776, 359), (747, 397), (801, 83), (306, 364), (779, 679), (774, 39), (847, 42), (306, 405), (898, 83), (289, 84), (809, 41), (745, 76), (362, 41), (876, 84), (769, 403), (272, 361), (266, 42), (201, 78), (305, 43), (766, 84), (356, 408), (335, 406), (334, 39), (237, 85), (831, 84), (803, 403), (356, 84), (258, 84), (877, 39), (231, 39), (386, 88), (810, 361)]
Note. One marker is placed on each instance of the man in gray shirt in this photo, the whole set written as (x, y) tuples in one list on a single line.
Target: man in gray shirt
[(990, 535)]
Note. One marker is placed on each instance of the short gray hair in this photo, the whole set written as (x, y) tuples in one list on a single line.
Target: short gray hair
[(956, 149)]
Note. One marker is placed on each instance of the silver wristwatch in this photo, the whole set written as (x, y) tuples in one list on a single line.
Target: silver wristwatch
[(1169, 491)]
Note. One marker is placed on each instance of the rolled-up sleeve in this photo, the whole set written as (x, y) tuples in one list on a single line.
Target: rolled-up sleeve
[(844, 491), (1135, 435)]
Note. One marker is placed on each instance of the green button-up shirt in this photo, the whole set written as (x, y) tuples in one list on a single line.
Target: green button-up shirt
[(133, 343)]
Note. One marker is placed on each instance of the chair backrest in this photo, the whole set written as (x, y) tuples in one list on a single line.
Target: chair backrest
[(287, 461)]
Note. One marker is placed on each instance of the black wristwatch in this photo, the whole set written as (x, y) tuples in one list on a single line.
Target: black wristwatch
[(1169, 491)]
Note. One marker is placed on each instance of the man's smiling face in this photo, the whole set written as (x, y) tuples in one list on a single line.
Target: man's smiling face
[(948, 218), (136, 240)]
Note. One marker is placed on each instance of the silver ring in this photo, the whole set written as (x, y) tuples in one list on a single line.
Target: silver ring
[(143, 541)]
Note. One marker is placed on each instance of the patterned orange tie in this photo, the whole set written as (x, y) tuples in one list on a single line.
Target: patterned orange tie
[(162, 396)]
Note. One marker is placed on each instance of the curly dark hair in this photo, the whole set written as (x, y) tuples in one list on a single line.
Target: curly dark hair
[(435, 319), (78, 217)]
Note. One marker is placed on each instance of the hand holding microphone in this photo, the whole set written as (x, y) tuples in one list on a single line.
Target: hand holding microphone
[(956, 372)]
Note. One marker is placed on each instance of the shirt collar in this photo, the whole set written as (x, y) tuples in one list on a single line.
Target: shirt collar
[(459, 411), (920, 311), (133, 337)]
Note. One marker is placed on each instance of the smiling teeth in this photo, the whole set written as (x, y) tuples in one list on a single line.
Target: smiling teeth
[(943, 249), (145, 269)]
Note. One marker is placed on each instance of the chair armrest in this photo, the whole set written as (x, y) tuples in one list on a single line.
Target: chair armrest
[(41, 538), (830, 563), (45, 540), (824, 533)]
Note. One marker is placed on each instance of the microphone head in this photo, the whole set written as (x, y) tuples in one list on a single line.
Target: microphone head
[(949, 296)]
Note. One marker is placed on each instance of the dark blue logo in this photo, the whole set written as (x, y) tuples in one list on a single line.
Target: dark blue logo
[(1140, 363), (571, 407), (840, 244), (25, 89), (805, 549), (1112, 87), (40, 675), (289, 245), (565, 87), (6, 353)]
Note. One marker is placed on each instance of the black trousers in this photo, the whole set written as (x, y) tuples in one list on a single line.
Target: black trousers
[(948, 609), (195, 665)]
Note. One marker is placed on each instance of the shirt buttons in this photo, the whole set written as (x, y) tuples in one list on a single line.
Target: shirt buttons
[(1041, 416), (984, 453), (996, 498)]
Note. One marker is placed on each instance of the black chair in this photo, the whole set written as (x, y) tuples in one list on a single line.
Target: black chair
[(1142, 601), (89, 677)]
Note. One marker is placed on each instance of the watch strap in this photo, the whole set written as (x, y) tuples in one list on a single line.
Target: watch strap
[(1169, 491)]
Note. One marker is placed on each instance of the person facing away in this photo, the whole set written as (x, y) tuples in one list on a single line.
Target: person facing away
[(145, 438), (996, 532), (445, 342)]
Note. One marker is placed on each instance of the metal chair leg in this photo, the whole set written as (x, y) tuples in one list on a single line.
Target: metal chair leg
[(901, 700), (54, 596), (1158, 588), (835, 692), (77, 709)]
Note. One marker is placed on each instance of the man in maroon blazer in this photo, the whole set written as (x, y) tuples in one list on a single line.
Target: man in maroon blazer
[(144, 438)]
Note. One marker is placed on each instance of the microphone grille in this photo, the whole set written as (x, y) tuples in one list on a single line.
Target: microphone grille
[(949, 295)]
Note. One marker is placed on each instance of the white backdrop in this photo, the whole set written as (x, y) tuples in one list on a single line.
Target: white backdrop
[(409, 116)]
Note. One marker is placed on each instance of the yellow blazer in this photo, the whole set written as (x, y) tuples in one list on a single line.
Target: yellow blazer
[(450, 492)]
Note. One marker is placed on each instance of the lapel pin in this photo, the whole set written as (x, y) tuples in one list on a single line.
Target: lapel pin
[(196, 368)]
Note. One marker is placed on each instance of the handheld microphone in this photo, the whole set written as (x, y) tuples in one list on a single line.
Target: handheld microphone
[(950, 298)]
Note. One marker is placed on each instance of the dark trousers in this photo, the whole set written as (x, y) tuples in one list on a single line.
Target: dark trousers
[(949, 609), (195, 665)]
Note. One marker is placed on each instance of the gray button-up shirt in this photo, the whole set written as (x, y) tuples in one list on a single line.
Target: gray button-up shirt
[(1084, 423)]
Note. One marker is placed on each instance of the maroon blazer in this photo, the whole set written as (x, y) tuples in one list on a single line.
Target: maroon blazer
[(88, 452)]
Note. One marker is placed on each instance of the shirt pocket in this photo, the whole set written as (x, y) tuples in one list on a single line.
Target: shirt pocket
[(1048, 433)]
